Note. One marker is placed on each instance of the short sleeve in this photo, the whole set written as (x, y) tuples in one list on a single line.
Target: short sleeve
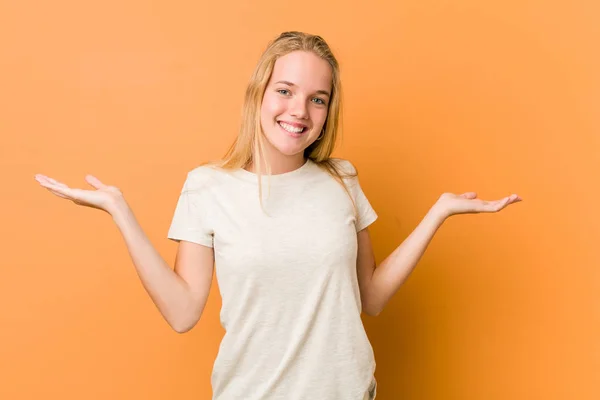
[(191, 220), (365, 214)]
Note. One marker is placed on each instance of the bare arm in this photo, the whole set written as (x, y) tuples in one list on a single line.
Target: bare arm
[(180, 295), (378, 285)]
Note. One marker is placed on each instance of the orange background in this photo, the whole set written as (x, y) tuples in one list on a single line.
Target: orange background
[(495, 97)]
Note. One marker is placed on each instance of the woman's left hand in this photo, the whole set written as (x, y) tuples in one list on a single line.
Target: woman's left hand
[(468, 203)]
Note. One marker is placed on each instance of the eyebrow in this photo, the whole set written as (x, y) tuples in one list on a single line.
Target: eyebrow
[(325, 92)]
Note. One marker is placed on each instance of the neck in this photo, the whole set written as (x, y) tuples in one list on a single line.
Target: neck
[(280, 164)]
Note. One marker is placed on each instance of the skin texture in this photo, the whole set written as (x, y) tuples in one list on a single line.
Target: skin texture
[(297, 94), (302, 100)]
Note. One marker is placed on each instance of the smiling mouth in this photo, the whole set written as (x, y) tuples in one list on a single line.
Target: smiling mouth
[(292, 129)]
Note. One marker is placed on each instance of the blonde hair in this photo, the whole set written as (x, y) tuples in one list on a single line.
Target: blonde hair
[(248, 147)]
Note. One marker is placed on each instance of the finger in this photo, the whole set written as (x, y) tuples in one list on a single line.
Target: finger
[(57, 193), (52, 188), (497, 205), (469, 195), (95, 182), (42, 178), (493, 206), (513, 198), (57, 183), (58, 189), (500, 204)]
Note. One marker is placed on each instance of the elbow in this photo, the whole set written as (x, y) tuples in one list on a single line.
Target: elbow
[(181, 328), (186, 317), (372, 313), (371, 310), (184, 324), (372, 305)]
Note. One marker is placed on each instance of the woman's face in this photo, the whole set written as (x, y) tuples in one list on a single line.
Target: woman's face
[(295, 103)]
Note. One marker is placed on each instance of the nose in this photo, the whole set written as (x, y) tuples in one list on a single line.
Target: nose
[(299, 109)]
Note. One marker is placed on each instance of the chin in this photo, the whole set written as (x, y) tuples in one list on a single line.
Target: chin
[(289, 150), (286, 146)]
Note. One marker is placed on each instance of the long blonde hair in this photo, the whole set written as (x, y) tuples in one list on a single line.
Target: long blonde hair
[(248, 147)]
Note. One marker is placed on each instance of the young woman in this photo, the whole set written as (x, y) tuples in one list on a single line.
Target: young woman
[(286, 227)]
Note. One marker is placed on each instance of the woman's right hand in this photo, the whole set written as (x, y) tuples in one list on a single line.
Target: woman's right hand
[(104, 197)]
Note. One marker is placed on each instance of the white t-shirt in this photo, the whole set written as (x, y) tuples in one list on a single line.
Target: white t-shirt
[(288, 281)]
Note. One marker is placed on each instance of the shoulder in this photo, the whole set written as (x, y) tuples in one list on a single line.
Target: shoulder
[(204, 171), (344, 167), (204, 176)]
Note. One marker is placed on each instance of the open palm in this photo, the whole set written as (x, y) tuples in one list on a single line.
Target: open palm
[(468, 203), (104, 197)]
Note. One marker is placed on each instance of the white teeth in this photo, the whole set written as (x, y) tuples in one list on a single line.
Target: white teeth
[(290, 128)]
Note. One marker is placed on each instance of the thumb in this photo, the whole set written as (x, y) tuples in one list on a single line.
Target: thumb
[(95, 182)]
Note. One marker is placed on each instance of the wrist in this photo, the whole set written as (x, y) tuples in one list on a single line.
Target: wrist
[(118, 208), (438, 213)]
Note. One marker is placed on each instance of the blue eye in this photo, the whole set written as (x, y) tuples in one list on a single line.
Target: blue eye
[(283, 90), (319, 101)]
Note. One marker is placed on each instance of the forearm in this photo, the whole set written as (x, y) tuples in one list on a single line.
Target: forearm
[(393, 271), (168, 291)]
